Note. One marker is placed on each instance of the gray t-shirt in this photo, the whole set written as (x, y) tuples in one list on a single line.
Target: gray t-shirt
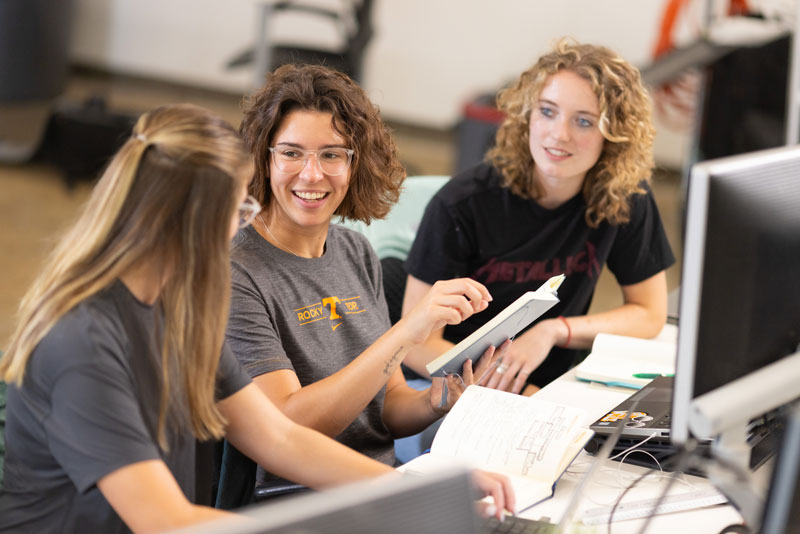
[(88, 406), (313, 316)]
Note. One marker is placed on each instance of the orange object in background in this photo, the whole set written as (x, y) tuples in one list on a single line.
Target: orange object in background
[(738, 7), (664, 43)]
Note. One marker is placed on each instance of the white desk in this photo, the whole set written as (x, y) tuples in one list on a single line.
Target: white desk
[(604, 488)]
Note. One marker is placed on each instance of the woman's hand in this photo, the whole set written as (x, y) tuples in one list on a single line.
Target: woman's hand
[(447, 302), (499, 487), (456, 385), (526, 354)]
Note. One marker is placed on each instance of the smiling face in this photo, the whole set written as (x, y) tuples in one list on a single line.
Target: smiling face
[(565, 140), (308, 198)]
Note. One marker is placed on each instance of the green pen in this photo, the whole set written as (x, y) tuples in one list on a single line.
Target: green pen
[(651, 375)]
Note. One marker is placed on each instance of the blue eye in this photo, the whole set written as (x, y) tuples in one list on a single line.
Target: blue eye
[(585, 123), (547, 112)]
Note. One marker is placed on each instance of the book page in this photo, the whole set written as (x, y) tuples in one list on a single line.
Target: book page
[(634, 348), (511, 433), (626, 361)]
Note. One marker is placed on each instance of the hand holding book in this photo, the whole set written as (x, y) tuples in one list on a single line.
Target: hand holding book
[(505, 325), (444, 392)]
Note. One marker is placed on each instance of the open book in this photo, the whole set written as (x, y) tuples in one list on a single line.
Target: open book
[(627, 361), (531, 441), (505, 325)]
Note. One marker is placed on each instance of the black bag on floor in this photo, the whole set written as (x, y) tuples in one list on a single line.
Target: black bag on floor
[(80, 140)]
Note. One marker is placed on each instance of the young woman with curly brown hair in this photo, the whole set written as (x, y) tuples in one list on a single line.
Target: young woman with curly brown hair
[(564, 190), (308, 316)]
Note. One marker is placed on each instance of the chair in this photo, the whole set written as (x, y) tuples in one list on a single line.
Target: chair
[(353, 23), (237, 481)]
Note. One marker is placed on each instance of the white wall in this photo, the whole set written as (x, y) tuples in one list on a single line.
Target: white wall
[(427, 59)]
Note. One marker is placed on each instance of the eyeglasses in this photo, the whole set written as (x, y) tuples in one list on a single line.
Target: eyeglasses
[(332, 161), (248, 210)]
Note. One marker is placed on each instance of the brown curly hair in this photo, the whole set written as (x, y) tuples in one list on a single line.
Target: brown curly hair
[(625, 122), (376, 175)]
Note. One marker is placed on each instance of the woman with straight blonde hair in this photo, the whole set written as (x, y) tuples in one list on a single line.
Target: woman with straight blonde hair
[(119, 361), (563, 191)]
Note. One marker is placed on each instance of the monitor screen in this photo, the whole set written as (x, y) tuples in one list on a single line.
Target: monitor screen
[(740, 286), (441, 502)]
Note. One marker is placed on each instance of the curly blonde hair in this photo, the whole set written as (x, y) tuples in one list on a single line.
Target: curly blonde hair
[(376, 175), (625, 123)]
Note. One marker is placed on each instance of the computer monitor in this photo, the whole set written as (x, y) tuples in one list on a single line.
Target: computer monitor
[(740, 286), (441, 502), (782, 510), (739, 332)]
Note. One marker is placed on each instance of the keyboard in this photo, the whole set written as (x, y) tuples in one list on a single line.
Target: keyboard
[(692, 500), (516, 525)]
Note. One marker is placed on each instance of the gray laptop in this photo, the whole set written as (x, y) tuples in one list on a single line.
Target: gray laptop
[(651, 412)]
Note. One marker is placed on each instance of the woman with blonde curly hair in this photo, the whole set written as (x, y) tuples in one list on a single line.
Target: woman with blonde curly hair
[(564, 190), (309, 319)]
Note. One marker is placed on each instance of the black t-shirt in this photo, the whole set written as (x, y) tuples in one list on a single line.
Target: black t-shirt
[(475, 227), (88, 406)]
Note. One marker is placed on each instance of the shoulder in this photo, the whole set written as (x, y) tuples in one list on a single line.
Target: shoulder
[(469, 184), (349, 240), (245, 246), (464, 197), (643, 201), (353, 249), (252, 261), (91, 334), (646, 190)]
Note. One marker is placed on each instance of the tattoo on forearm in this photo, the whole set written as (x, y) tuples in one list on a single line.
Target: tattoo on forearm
[(387, 370)]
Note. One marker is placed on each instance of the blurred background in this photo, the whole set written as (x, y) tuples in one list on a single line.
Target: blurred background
[(74, 74)]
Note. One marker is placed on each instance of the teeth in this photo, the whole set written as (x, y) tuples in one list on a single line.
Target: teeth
[(305, 195), (557, 152)]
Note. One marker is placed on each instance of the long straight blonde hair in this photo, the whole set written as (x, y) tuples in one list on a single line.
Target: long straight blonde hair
[(168, 196)]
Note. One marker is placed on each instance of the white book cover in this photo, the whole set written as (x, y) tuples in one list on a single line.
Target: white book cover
[(505, 325)]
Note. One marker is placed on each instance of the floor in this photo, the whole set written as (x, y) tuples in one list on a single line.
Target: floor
[(36, 206)]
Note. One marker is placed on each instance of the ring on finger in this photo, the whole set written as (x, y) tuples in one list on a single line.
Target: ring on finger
[(501, 368)]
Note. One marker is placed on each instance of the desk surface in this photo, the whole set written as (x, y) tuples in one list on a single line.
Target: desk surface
[(609, 482)]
